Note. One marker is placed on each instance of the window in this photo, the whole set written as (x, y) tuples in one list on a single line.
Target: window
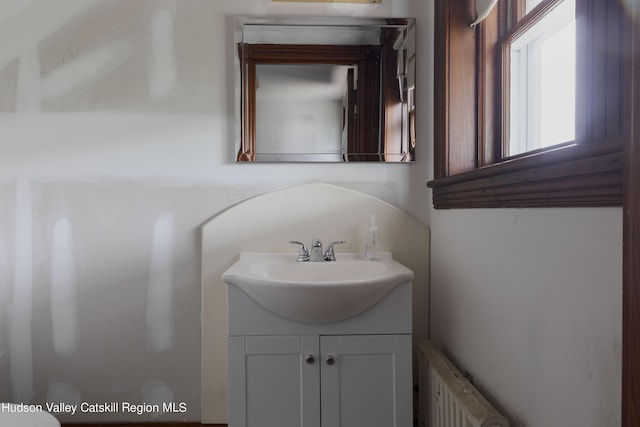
[(542, 82), (515, 126)]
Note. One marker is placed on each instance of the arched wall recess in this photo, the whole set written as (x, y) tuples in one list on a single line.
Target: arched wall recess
[(302, 213)]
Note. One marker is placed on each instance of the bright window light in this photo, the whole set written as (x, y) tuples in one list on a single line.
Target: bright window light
[(531, 4), (543, 82)]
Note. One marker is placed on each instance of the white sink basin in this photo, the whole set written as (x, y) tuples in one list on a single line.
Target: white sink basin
[(317, 292)]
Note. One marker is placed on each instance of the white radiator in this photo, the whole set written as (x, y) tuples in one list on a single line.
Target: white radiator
[(446, 398)]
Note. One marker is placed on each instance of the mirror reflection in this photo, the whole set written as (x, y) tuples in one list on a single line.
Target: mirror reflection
[(325, 89), (309, 99)]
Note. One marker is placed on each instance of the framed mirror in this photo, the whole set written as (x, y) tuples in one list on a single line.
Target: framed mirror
[(325, 89)]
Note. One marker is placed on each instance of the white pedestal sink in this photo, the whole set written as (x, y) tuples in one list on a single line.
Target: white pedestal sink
[(319, 344), (315, 292)]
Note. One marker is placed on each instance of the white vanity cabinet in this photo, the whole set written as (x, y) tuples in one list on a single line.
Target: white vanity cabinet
[(320, 381), (350, 373), (369, 383), (270, 384)]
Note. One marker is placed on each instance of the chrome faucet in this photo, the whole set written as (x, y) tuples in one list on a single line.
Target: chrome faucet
[(316, 251), (303, 255), (316, 254), (330, 255)]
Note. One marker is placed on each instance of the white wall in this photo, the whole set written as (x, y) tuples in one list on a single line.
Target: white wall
[(116, 143), (528, 301)]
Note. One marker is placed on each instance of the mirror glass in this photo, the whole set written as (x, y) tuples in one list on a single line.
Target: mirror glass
[(325, 89)]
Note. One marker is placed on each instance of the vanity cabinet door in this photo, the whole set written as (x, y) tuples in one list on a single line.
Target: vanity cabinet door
[(274, 381), (366, 381)]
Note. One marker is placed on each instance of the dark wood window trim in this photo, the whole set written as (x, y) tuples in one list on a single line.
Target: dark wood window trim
[(469, 170), (631, 238), (574, 175)]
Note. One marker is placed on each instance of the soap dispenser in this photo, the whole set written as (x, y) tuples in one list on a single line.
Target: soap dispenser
[(373, 246)]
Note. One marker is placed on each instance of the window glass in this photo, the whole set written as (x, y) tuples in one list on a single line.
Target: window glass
[(531, 4), (542, 82)]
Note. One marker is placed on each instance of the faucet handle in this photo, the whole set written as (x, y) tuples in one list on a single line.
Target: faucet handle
[(303, 255), (330, 255)]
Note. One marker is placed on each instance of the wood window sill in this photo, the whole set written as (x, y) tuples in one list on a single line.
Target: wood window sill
[(588, 174)]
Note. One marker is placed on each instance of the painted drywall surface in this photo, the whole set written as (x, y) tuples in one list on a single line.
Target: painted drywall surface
[(116, 135), (529, 302)]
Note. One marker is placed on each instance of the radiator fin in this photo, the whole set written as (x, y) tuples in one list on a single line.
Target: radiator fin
[(447, 399)]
